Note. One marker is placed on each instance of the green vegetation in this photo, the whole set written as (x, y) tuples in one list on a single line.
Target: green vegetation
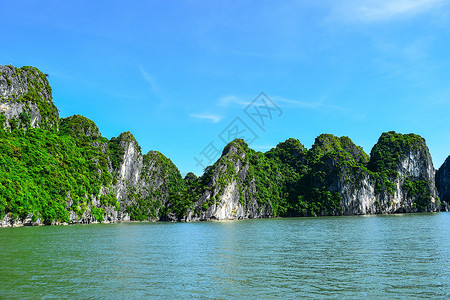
[(66, 166), (40, 171), (116, 151), (164, 189), (419, 189), (330, 160), (39, 93), (79, 127), (294, 181), (391, 149)]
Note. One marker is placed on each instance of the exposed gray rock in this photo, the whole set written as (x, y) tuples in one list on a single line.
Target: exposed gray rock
[(341, 168), (443, 184), (408, 188), (145, 182), (398, 178), (227, 197), (362, 196), (26, 98)]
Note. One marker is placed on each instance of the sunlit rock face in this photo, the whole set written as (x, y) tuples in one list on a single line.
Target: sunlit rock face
[(230, 191), (26, 99)]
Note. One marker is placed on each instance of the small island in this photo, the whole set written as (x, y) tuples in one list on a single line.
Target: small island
[(62, 171)]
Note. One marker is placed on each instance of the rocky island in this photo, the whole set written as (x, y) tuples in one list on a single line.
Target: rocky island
[(61, 170)]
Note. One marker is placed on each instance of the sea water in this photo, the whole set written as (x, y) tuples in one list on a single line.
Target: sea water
[(384, 256)]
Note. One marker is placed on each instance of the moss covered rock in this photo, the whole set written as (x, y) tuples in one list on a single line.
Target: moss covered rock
[(26, 99), (79, 126)]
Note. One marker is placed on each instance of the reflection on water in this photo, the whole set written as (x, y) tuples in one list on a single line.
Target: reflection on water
[(352, 257)]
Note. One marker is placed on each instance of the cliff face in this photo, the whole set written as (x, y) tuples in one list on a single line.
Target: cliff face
[(77, 176), (400, 178), (56, 171), (26, 99), (334, 177), (145, 183), (102, 204), (134, 186), (443, 183), (230, 190)]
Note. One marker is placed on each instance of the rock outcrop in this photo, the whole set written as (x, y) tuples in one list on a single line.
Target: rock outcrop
[(443, 184), (105, 180), (56, 171), (26, 99), (399, 178), (137, 187), (335, 177), (228, 190), (103, 205), (79, 127), (145, 183)]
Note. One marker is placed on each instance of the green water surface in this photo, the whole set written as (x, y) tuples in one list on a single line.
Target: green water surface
[(404, 256)]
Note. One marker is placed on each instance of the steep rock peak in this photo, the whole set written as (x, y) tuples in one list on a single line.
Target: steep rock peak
[(26, 98), (155, 161), (291, 145), (236, 146), (392, 148), (79, 126), (123, 145), (126, 138), (158, 158), (16, 83)]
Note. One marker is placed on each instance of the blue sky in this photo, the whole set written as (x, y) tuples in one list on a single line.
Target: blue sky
[(178, 74)]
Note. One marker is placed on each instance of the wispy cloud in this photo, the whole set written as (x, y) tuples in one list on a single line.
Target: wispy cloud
[(210, 117), (281, 102), (376, 11), (150, 80), (233, 100), (383, 10)]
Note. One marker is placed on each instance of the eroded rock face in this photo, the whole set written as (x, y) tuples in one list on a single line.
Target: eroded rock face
[(145, 183), (230, 192), (407, 187), (333, 179), (119, 183), (111, 214), (26, 99), (443, 184), (372, 195)]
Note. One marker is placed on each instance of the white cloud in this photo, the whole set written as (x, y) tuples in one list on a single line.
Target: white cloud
[(232, 99), (381, 10), (209, 117), (376, 10)]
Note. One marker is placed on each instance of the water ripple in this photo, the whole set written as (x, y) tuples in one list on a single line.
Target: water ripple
[(404, 256)]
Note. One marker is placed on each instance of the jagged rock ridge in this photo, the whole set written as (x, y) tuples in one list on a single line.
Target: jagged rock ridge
[(334, 177), (66, 172)]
